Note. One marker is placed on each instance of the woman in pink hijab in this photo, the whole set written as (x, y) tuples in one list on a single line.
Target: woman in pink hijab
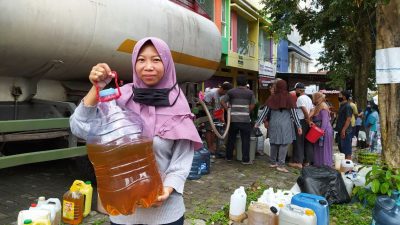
[(154, 95)]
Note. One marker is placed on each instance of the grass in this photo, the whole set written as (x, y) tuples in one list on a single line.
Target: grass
[(349, 214)]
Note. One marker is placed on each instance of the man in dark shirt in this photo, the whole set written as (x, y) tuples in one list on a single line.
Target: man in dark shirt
[(242, 102), (343, 126)]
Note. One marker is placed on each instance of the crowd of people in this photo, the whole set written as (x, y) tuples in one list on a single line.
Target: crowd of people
[(289, 116)]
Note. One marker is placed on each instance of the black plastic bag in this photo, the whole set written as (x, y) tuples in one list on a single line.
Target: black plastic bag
[(324, 181)]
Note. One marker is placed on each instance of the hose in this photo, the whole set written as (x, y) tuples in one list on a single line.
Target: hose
[(212, 122)]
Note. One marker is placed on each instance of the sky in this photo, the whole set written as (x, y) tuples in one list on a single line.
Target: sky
[(313, 49)]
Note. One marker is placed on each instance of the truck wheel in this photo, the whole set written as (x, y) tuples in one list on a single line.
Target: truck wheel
[(82, 169)]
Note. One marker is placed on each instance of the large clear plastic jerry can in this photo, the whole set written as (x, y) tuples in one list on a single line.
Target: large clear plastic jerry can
[(123, 159)]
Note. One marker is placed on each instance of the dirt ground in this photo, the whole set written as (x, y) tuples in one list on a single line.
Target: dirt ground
[(20, 186)]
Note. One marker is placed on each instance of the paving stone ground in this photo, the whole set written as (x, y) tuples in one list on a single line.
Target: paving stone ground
[(22, 185)]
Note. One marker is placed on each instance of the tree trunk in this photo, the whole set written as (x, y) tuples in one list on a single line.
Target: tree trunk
[(366, 61), (361, 56), (388, 31)]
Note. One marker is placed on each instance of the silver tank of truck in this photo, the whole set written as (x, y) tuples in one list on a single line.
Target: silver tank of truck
[(48, 46)]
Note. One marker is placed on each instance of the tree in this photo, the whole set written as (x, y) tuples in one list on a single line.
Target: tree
[(347, 29), (388, 27)]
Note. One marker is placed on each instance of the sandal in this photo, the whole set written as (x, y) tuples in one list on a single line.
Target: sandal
[(295, 165), (282, 169), (273, 165)]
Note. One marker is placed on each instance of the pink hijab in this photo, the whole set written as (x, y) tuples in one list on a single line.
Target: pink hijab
[(170, 122)]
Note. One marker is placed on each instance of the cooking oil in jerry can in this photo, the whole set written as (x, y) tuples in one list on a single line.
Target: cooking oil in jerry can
[(73, 206), (87, 191)]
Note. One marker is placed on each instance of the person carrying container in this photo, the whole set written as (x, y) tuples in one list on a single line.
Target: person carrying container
[(156, 97), (213, 99)]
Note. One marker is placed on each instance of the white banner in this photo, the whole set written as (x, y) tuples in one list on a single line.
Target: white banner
[(388, 65), (266, 68)]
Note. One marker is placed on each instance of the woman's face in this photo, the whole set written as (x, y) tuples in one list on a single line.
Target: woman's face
[(149, 66)]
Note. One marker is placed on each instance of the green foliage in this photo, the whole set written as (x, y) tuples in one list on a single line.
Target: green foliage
[(101, 221), (200, 211), (254, 192), (346, 28), (220, 217), (351, 214), (383, 181)]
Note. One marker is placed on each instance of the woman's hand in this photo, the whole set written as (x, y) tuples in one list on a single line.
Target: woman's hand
[(161, 198), (100, 75), (343, 134), (299, 131), (310, 124)]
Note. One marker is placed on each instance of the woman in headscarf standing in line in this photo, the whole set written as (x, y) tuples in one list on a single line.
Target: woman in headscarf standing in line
[(323, 151), (168, 121), (279, 113)]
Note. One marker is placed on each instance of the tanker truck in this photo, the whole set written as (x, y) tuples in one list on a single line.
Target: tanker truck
[(48, 47)]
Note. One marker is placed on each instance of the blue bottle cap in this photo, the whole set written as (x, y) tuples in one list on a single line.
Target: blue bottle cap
[(107, 92)]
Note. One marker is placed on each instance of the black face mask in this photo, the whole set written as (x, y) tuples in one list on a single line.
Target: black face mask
[(154, 96), (298, 94), (340, 99)]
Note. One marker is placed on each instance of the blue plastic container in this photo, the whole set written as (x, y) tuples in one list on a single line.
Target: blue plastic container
[(386, 211), (317, 203), (195, 171), (205, 161)]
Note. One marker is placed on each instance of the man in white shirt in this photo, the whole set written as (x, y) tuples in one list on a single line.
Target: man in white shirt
[(213, 98), (302, 149)]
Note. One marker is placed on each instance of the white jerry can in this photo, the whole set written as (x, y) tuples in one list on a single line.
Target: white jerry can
[(296, 215)]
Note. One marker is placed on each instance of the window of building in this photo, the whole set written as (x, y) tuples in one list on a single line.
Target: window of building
[(242, 36), (223, 18), (264, 45), (208, 6), (298, 65)]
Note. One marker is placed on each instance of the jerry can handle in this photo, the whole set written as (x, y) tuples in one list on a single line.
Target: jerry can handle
[(111, 97)]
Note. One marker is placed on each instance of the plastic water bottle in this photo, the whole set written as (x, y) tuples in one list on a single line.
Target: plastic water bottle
[(33, 215), (41, 201), (237, 205), (386, 211), (52, 205), (57, 205), (195, 170), (123, 159), (205, 161)]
